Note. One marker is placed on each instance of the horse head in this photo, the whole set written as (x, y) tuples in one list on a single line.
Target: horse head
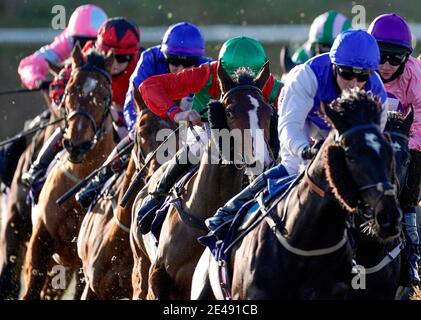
[(87, 102), (243, 110), (360, 165)]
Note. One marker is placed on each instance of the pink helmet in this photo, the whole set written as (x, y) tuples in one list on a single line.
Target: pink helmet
[(86, 20)]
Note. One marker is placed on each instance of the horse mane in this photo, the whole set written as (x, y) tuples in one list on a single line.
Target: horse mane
[(95, 58), (243, 76), (339, 179), (358, 105)]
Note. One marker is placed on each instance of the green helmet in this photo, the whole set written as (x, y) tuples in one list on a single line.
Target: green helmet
[(327, 26), (242, 52)]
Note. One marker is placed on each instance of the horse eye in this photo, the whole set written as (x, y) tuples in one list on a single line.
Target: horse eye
[(230, 115)]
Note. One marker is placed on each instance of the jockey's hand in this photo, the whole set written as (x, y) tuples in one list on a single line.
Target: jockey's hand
[(311, 151), (191, 115)]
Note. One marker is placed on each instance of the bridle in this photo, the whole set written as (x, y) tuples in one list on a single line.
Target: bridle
[(98, 129), (384, 188), (230, 92)]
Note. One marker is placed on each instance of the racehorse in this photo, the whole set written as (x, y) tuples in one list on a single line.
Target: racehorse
[(165, 271), (88, 139), (16, 218), (298, 247), (382, 260), (103, 242)]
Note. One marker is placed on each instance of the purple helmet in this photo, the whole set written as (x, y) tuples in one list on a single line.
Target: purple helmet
[(393, 29), (183, 39)]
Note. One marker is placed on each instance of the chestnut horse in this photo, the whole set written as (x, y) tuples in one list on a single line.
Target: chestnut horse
[(16, 218), (88, 139), (103, 242), (165, 271), (299, 247)]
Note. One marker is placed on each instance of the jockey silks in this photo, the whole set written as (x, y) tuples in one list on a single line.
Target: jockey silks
[(306, 87)]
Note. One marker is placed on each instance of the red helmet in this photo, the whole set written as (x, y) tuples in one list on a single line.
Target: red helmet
[(119, 34)]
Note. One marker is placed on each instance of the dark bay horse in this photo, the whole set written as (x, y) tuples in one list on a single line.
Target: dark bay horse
[(16, 224), (300, 248), (88, 139), (165, 271), (382, 260), (103, 242)]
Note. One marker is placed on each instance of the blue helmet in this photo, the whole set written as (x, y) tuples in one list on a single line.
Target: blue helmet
[(183, 39), (355, 48)]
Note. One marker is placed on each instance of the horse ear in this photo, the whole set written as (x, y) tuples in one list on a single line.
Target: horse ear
[(274, 142), (409, 119), (225, 81), (77, 58), (263, 76), (217, 116), (339, 178), (109, 61), (139, 102)]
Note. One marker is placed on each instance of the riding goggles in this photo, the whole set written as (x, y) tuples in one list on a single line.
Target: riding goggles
[(182, 60), (349, 73), (394, 59), (122, 58)]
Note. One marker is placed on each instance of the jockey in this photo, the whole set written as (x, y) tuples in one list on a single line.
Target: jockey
[(83, 26), (33, 70), (160, 92), (117, 34), (401, 75), (351, 63), (323, 32), (182, 46)]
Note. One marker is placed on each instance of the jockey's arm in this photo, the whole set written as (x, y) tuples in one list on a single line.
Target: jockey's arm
[(160, 92), (414, 97), (144, 69), (34, 69), (294, 105)]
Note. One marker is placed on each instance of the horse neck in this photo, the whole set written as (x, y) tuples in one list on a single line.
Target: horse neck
[(214, 185), (95, 157), (321, 219)]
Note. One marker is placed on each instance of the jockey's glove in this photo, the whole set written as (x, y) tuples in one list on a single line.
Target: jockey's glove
[(310, 151)]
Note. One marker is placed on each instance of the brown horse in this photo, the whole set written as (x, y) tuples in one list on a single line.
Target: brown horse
[(299, 248), (88, 140), (165, 272), (16, 218), (103, 242)]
